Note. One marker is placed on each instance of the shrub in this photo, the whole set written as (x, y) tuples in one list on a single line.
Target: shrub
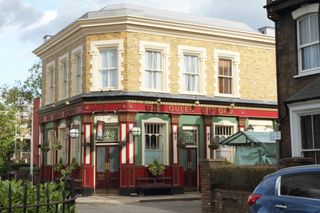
[(26, 190), (242, 178), (156, 168)]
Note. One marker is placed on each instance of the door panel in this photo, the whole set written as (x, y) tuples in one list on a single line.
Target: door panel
[(107, 167), (188, 160)]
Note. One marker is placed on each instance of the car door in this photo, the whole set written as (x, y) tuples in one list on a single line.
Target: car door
[(298, 193)]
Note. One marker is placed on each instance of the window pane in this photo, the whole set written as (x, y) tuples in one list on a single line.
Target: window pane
[(306, 132), (316, 131), (301, 185), (310, 56), (225, 76)]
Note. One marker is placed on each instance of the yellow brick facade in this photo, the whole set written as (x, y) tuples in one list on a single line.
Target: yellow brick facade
[(257, 64)]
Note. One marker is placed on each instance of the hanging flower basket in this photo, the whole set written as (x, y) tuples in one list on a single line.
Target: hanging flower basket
[(213, 146), (56, 146), (45, 148), (181, 145)]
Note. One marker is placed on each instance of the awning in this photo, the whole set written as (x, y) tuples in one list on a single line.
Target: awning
[(247, 138)]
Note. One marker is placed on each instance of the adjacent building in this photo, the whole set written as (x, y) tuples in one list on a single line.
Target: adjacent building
[(141, 84), (298, 72)]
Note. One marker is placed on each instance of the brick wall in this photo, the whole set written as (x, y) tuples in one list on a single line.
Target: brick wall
[(219, 200)]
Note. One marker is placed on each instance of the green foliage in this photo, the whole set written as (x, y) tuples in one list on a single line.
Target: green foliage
[(66, 170), (156, 168), (48, 191), (242, 178)]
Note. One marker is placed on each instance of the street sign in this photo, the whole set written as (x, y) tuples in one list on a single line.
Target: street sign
[(275, 136)]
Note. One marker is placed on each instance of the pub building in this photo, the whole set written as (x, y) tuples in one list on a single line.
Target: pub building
[(138, 84)]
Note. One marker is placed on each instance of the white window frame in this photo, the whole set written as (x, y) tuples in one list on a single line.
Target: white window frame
[(50, 82), (225, 148), (202, 57), (164, 49), (298, 15), (186, 128), (296, 110), (165, 138), (62, 139), (50, 160), (63, 80), (96, 46), (76, 80), (235, 65), (75, 143)]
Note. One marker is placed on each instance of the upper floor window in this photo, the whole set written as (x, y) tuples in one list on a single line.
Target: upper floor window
[(154, 63), (76, 71), (50, 82), (192, 69), (154, 70), (227, 78), (309, 48), (191, 73), (63, 77), (308, 39), (107, 70)]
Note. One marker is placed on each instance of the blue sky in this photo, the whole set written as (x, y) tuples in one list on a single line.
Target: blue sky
[(23, 23)]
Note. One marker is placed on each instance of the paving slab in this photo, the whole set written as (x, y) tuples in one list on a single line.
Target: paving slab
[(117, 199)]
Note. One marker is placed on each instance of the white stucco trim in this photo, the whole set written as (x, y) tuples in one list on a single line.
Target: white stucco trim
[(78, 51), (164, 48), (202, 54), (235, 58), (165, 136), (50, 67), (95, 65), (296, 110), (304, 10), (63, 59)]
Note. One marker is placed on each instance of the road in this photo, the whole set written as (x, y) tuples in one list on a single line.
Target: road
[(144, 207)]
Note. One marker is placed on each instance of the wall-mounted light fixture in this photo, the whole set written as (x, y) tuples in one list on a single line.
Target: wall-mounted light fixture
[(135, 130), (158, 100), (196, 102), (74, 133), (250, 128)]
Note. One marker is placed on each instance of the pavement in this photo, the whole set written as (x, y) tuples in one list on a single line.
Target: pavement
[(117, 199)]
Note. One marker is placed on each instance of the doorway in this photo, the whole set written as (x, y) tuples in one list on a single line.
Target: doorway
[(107, 168), (188, 157)]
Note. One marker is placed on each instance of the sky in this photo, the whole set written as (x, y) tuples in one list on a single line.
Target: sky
[(23, 23)]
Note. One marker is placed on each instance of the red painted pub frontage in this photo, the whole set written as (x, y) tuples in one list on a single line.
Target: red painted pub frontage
[(138, 88), (175, 131)]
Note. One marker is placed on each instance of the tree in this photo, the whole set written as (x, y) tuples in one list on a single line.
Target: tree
[(15, 103), (8, 127)]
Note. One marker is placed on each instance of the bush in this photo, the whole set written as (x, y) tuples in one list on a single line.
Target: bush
[(242, 178), (16, 166), (26, 190)]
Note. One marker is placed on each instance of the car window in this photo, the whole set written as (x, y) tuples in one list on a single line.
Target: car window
[(301, 185), (266, 187)]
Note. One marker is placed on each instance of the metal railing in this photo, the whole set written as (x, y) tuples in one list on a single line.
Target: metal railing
[(66, 205)]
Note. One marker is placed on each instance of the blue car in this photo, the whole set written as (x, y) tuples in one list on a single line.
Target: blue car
[(293, 189)]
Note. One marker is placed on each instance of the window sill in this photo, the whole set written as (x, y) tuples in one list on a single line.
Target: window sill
[(227, 95), (307, 73), (153, 90)]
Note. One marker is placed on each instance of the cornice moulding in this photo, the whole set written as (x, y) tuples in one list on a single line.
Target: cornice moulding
[(130, 23)]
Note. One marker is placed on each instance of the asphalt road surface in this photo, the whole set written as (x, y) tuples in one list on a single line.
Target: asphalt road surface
[(193, 206)]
